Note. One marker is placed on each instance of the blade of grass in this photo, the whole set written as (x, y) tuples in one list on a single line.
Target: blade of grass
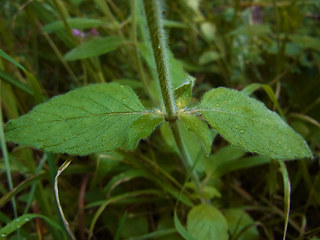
[(7, 162), (286, 187), (104, 204), (56, 192)]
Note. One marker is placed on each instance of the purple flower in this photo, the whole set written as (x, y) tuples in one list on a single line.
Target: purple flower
[(94, 32), (77, 32)]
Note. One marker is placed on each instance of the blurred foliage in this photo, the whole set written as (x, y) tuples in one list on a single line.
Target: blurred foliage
[(231, 43)]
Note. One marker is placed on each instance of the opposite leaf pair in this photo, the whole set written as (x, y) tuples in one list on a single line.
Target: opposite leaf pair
[(103, 117)]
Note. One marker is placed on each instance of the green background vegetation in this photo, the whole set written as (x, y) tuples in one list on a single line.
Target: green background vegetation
[(269, 48)]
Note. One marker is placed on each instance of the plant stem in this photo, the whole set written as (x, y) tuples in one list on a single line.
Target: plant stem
[(154, 19)]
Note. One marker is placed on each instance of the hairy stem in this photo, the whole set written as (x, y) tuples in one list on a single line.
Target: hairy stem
[(153, 12), (154, 19)]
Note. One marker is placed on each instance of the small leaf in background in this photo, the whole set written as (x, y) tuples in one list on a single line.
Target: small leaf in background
[(142, 128), (247, 123), (183, 93), (208, 30), (252, 30), (94, 47), (306, 42), (241, 225), (192, 143), (91, 119), (222, 157), (200, 128), (78, 23), (207, 222), (208, 57), (173, 24)]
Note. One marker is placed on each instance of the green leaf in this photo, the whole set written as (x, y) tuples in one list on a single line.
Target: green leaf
[(222, 157), (183, 93), (241, 163), (241, 225), (248, 90), (306, 42), (191, 141), (79, 23), (15, 82), (94, 47), (20, 221), (87, 120), (208, 56), (142, 128), (200, 128), (207, 222), (181, 230), (247, 123), (11, 59), (252, 30)]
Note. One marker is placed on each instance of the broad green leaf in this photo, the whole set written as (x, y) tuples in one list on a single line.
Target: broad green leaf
[(241, 225), (142, 128), (200, 128), (20, 221), (79, 23), (207, 222), (247, 123), (306, 42), (87, 120), (94, 47), (248, 90)]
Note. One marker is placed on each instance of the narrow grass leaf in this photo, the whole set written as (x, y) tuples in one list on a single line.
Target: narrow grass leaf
[(207, 222), (286, 200), (17, 223), (180, 228), (104, 204), (241, 163), (15, 82), (155, 234), (56, 193), (247, 123), (11, 59), (6, 197), (87, 120), (93, 48), (78, 23)]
